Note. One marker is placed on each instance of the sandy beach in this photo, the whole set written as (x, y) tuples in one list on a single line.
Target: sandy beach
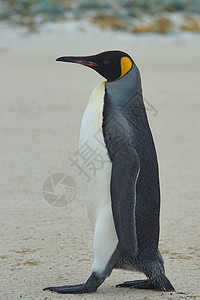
[(42, 102)]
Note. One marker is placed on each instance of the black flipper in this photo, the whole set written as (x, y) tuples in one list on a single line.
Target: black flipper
[(89, 286), (125, 170)]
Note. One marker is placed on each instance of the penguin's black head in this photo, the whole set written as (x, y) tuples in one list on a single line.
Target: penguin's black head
[(112, 65)]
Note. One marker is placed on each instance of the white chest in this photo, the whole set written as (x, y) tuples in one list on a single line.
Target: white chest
[(94, 160), (93, 156), (91, 125)]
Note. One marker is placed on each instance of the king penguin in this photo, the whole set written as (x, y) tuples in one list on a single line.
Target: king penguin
[(123, 197)]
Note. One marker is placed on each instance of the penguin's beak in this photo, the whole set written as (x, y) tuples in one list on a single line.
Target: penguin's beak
[(86, 61)]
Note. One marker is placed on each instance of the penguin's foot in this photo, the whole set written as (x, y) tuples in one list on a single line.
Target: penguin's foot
[(138, 284), (147, 284), (71, 289), (89, 286)]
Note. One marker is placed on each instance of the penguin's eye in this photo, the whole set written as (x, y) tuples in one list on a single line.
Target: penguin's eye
[(106, 62)]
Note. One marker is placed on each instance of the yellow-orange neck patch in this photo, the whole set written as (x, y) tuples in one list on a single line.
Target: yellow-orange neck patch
[(126, 65)]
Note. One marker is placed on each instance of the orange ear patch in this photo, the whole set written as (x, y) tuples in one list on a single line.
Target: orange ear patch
[(126, 65)]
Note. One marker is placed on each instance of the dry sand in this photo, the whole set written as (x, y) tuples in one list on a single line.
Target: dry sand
[(42, 103)]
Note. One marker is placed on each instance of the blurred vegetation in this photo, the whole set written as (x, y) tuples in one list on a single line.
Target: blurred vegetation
[(32, 11), (155, 6), (115, 14)]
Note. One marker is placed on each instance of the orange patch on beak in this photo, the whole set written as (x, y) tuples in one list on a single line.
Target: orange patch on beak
[(86, 63)]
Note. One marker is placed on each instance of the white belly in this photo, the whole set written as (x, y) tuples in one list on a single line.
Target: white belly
[(96, 175)]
